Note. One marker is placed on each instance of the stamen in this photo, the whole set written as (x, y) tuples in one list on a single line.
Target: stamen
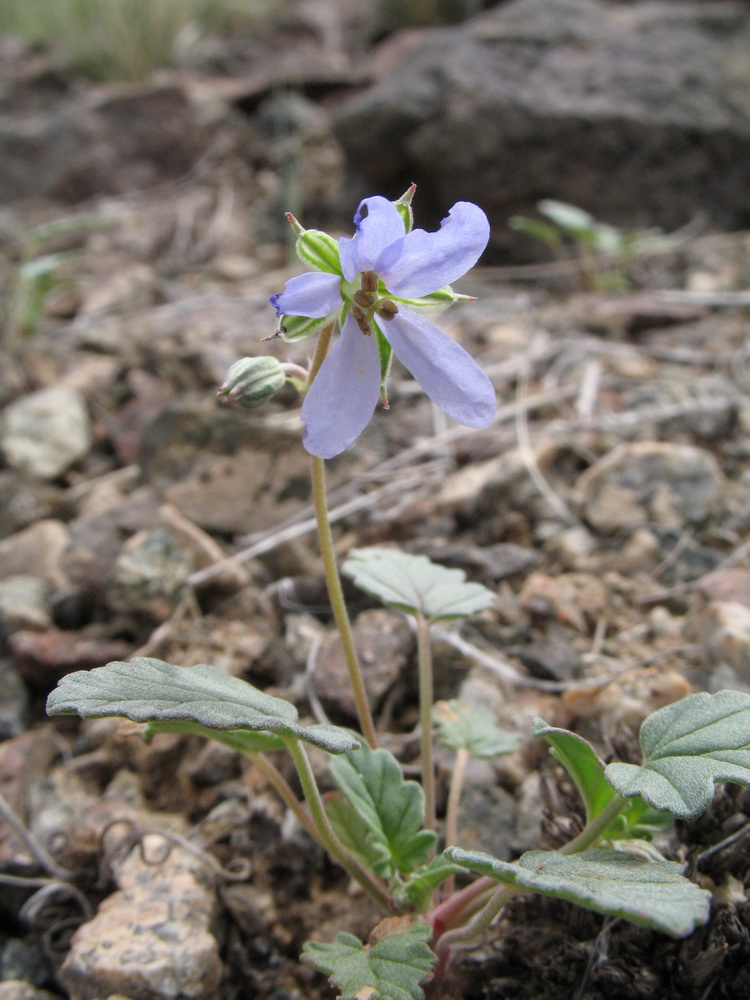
[(364, 299), (386, 309), (361, 320), (369, 281)]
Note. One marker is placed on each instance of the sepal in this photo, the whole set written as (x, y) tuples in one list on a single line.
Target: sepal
[(435, 301), (251, 382), (403, 204)]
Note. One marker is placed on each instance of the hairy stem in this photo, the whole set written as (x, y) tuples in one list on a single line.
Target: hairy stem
[(424, 660), (478, 925), (451, 816), (338, 604), (593, 830), (326, 834), (277, 780)]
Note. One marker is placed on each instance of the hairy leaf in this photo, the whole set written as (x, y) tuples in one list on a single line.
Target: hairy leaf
[(415, 584), (587, 771), (149, 690), (473, 729), (416, 893), (392, 968), (688, 746), (391, 807), (651, 893)]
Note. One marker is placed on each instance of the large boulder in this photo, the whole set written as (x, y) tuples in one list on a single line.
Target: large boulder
[(639, 113)]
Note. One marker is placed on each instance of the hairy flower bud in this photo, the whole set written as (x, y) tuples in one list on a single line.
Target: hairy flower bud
[(251, 382)]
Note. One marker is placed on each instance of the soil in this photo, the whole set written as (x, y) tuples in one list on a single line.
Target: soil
[(604, 611)]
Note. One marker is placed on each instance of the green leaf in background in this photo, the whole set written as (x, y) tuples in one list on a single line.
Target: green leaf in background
[(416, 585), (651, 893), (474, 729), (149, 690), (688, 746), (391, 807), (568, 217), (392, 968), (417, 891)]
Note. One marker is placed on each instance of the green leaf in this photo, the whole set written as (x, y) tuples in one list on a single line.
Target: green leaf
[(243, 740), (415, 584), (416, 893), (353, 831), (149, 690), (651, 893), (688, 746), (473, 729), (587, 771), (581, 762), (392, 968), (391, 807)]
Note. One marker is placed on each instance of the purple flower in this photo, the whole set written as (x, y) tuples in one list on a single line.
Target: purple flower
[(383, 277)]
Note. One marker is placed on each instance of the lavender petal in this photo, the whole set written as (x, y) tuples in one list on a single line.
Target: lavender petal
[(422, 262), (379, 224), (343, 395), (311, 294), (446, 372)]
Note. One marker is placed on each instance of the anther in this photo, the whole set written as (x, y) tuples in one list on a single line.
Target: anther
[(364, 299), (361, 320), (369, 281), (386, 309)]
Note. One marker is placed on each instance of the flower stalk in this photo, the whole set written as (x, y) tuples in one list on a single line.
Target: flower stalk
[(338, 603), (424, 660)]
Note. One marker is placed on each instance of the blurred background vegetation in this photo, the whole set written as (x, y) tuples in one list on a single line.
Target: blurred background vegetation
[(127, 39)]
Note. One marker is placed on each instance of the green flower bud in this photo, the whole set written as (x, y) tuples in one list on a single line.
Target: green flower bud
[(293, 328), (319, 251), (251, 382)]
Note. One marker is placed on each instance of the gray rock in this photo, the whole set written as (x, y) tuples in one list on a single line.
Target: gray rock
[(26, 961), (151, 940), (18, 989), (46, 432), (384, 643), (36, 551), (722, 629), (149, 573), (630, 111), (650, 482), (487, 817), (116, 139), (14, 702), (23, 602), (24, 500)]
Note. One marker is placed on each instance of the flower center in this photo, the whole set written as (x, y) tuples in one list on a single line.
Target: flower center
[(367, 303)]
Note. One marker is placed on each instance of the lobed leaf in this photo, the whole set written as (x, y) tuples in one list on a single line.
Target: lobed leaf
[(473, 729), (392, 968), (651, 893), (391, 808), (415, 584), (149, 690), (689, 746)]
